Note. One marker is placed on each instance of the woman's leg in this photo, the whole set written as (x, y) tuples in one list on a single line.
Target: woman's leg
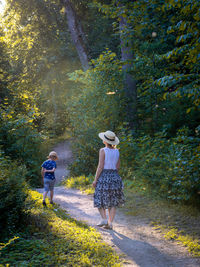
[(111, 214), (104, 221), (102, 211)]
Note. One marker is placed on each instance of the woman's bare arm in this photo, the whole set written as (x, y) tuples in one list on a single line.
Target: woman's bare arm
[(100, 166), (118, 164)]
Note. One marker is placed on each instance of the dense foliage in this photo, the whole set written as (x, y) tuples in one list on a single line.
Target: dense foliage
[(12, 193), (100, 101), (168, 166), (43, 92), (165, 65), (20, 145), (36, 54)]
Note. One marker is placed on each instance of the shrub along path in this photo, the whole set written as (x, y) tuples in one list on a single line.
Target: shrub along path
[(140, 244)]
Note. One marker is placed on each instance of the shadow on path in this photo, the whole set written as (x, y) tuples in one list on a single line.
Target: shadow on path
[(142, 253)]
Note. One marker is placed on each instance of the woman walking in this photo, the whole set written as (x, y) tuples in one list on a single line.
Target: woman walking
[(108, 184)]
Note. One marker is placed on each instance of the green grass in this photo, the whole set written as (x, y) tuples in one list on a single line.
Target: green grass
[(83, 183), (177, 222), (188, 240), (52, 238)]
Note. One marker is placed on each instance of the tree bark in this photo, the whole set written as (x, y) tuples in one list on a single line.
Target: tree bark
[(54, 107), (129, 83), (77, 34)]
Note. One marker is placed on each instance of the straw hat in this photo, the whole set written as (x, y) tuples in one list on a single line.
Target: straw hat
[(53, 154), (109, 137)]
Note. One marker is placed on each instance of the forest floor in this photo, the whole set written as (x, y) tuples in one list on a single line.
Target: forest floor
[(133, 237)]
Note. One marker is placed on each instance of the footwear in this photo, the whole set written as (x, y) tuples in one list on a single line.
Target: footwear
[(44, 203), (102, 223), (108, 226)]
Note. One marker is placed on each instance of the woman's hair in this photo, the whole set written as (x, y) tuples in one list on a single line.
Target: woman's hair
[(111, 146)]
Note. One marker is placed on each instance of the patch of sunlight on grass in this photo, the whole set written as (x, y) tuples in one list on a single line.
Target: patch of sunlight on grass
[(193, 245), (181, 221), (83, 183), (132, 212), (171, 233), (89, 191), (54, 239)]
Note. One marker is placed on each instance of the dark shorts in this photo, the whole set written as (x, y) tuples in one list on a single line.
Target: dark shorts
[(49, 184)]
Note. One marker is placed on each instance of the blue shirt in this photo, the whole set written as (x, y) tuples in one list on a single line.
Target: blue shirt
[(49, 165)]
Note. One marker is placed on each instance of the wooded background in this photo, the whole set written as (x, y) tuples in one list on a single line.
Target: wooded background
[(83, 67)]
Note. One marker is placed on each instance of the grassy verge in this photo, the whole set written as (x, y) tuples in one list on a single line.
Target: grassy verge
[(52, 238), (83, 183), (175, 221)]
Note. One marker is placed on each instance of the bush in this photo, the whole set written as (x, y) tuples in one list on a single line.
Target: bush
[(94, 110), (83, 183), (12, 194), (21, 141), (168, 166)]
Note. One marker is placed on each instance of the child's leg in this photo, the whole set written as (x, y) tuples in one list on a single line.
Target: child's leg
[(52, 183), (46, 189), (44, 195), (51, 195)]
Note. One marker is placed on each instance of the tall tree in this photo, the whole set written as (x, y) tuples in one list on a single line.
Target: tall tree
[(127, 57), (119, 10), (4, 69), (77, 34)]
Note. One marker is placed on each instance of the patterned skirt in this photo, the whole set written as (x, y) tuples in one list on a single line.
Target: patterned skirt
[(108, 191)]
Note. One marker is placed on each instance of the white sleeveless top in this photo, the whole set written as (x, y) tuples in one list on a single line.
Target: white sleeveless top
[(111, 158)]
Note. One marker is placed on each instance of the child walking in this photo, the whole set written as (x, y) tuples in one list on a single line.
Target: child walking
[(108, 184), (48, 176)]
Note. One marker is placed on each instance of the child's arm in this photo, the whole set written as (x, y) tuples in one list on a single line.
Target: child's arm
[(53, 170), (42, 172)]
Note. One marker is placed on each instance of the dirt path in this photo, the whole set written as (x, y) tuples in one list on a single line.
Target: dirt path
[(141, 245), (65, 157)]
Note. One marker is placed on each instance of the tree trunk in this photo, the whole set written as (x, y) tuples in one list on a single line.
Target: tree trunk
[(54, 108), (77, 34), (129, 83)]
